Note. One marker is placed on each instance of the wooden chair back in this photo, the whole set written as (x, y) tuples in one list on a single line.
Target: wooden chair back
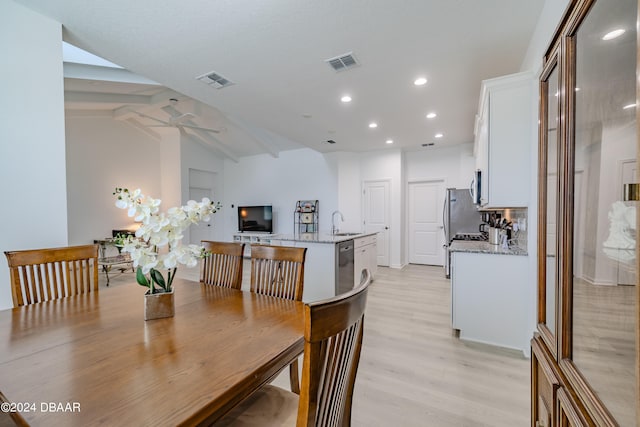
[(278, 271), (333, 340), (10, 418), (224, 266), (39, 275)]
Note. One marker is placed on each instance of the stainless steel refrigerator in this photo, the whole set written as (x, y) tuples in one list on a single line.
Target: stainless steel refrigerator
[(460, 216)]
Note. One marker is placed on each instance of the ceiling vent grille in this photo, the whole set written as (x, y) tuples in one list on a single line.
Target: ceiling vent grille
[(342, 62), (215, 79)]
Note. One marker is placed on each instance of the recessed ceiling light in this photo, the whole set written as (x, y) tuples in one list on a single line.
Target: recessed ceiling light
[(389, 141), (420, 81), (438, 135), (626, 107), (345, 98), (613, 34), (431, 116), (373, 125)]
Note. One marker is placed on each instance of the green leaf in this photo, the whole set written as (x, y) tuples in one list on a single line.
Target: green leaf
[(170, 278), (156, 276), (141, 278)]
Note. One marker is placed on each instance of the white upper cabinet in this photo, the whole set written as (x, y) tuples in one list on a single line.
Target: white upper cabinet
[(503, 140)]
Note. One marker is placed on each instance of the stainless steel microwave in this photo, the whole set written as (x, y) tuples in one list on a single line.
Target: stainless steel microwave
[(476, 187)]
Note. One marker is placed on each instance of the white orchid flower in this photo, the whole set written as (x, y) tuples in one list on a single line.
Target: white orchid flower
[(159, 230)]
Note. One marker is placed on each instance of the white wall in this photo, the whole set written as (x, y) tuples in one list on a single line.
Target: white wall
[(349, 190), (32, 151), (195, 156), (453, 164), (102, 154), (547, 23), (295, 175)]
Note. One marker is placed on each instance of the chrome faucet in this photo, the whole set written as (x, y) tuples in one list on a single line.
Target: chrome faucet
[(334, 229)]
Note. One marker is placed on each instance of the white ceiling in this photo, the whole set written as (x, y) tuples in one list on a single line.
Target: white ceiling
[(274, 52)]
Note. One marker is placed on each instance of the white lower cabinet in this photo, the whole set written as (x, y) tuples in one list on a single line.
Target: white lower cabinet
[(488, 298), (365, 255)]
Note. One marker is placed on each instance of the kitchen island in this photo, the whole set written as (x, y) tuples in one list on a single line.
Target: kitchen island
[(488, 294), (321, 264)]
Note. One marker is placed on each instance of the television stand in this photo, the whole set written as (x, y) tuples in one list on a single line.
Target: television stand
[(255, 238)]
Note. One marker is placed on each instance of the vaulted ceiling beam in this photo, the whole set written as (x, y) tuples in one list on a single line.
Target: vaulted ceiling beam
[(252, 136), (136, 124), (99, 98), (211, 143)]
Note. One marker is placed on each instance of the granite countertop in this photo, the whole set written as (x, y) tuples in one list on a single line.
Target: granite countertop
[(484, 248), (320, 237)]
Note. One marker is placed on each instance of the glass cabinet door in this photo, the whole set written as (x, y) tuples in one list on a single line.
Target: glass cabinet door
[(549, 200), (604, 267)]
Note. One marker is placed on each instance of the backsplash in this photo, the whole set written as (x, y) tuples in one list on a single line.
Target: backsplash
[(520, 218), (517, 216)]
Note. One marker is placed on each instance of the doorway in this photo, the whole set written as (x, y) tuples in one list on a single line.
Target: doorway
[(204, 184), (426, 235), (376, 197)]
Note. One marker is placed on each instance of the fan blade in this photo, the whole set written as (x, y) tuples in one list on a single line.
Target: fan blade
[(153, 118), (171, 110), (199, 128), (181, 118)]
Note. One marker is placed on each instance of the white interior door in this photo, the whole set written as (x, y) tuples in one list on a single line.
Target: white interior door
[(426, 238), (203, 184), (376, 197)]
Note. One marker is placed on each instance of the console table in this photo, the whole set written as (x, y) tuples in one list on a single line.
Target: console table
[(121, 261)]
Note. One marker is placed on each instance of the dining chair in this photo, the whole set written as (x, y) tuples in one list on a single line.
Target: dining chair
[(278, 271), (332, 345), (10, 418), (39, 275), (223, 267)]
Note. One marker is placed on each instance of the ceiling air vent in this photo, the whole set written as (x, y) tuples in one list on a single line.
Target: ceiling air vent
[(214, 79), (429, 144), (342, 62), (331, 141)]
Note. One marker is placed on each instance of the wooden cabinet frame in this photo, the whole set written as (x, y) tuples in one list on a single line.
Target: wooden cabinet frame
[(576, 402), (548, 335)]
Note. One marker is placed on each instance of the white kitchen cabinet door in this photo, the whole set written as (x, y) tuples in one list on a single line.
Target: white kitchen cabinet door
[(365, 255), (503, 140), (360, 262), (488, 298)]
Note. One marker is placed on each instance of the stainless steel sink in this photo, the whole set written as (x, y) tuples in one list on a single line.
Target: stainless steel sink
[(346, 234)]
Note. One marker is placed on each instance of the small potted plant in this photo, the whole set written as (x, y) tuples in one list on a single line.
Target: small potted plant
[(158, 245)]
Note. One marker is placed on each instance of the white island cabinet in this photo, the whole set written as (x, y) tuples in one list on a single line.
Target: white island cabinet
[(365, 255), (320, 266), (488, 298), (503, 140)]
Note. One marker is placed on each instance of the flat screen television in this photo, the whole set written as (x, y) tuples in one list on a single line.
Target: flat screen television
[(255, 218)]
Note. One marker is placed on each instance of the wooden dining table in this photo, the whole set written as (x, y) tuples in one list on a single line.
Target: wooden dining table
[(93, 360)]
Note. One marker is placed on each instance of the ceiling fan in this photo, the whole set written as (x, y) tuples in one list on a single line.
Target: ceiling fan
[(177, 119)]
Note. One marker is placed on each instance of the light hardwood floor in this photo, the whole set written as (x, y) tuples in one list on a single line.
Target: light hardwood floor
[(414, 371)]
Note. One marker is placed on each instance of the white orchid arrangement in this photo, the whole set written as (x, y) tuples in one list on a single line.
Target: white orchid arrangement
[(158, 242)]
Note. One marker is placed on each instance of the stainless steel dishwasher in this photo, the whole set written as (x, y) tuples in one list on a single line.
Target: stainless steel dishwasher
[(344, 270)]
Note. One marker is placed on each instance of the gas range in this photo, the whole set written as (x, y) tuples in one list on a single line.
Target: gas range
[(474, 237)]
